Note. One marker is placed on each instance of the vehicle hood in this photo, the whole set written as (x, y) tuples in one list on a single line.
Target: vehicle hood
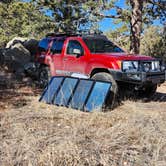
[(122, 56)]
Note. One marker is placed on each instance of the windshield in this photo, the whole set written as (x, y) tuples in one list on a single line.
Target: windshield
[(101, 46)]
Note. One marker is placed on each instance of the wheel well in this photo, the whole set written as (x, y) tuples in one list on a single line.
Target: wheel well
[(98, 70), (43, 65)]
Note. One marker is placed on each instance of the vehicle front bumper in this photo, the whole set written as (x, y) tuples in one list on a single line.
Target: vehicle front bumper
[(139, 77)]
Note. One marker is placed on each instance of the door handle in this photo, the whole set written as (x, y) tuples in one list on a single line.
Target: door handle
[(65, 59)]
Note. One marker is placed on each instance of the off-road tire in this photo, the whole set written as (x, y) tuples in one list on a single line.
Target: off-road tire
[(44, 76), (111, 101)]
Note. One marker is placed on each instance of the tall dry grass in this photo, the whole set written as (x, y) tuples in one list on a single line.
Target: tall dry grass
[(37, 134)]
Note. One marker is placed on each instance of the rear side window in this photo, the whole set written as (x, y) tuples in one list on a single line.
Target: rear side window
[(43, 44), (57, 46)]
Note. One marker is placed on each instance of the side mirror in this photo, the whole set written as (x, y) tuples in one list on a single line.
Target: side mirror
[(77, 52)]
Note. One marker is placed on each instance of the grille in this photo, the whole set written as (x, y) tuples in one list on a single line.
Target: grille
[(151, 66)]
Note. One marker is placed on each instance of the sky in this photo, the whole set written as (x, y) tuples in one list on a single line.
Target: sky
[(107, 24)]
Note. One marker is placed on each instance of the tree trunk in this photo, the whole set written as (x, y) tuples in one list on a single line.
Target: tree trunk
[(136, 25)]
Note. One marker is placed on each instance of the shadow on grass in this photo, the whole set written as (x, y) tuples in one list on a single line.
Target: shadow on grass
[(15, 93), (157, 97)]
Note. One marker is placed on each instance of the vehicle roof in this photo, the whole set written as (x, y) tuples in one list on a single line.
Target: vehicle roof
[(82, 35)]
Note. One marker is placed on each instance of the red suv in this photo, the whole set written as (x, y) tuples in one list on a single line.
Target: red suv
[(94, 56)]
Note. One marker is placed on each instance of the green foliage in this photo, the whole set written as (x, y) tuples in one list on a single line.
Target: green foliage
[(22, 19), (153, 42), (72, 15), (137, 14), (120, 36), (154, 9), (37, 17)]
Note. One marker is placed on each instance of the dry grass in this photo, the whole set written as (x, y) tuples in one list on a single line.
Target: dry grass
[(37, 134)]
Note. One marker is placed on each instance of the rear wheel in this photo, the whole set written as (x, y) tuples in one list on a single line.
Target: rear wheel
[(112, 99), (44, 76)]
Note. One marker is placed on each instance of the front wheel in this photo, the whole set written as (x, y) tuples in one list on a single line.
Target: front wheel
[(44, 76)]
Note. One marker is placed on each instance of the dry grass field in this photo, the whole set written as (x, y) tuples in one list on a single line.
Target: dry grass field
[(36, 134)]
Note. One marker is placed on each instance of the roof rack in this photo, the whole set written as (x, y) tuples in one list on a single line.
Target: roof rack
[(77, 33), (90, 32), (52, 34)]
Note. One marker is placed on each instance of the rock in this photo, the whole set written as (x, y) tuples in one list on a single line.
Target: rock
[(28, 81), (32, 46), (18, 53), (16, 57), (15, 41)]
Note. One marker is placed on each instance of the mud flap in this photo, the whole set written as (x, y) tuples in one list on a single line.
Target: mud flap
[(77, 93)]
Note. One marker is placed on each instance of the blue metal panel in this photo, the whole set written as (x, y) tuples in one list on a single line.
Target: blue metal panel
[(65, 91), (97, 96), (82, 94), (51, 89)]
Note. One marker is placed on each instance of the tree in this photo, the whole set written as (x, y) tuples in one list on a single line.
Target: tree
[(136, 14), (71, 15), (157, 45), (22, 19), (136, 24), (120, 36), (39, 16)]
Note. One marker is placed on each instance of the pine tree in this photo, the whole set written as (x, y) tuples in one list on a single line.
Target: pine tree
[(22, 19), (153, 42), (71, 15), (137, 14)]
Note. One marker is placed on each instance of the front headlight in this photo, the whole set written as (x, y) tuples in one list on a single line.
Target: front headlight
[(155, 65), (152, 66), (147, 66), (130, 66), (163, 68)]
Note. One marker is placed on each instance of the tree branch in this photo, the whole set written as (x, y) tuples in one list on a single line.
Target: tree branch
[(108, 16), (161, 5)]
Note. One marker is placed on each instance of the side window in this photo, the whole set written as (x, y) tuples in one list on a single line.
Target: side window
[(73, 44), (43, 44), (57, 46)]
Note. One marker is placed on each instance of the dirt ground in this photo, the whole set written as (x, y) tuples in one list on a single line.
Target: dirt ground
[(36, 134)]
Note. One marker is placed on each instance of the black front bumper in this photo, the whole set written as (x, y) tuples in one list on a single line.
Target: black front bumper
[(139, 77)]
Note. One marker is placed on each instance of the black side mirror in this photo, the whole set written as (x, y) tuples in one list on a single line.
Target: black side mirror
[(77, 52)]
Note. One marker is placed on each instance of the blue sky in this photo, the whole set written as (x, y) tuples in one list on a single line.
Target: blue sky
[(108, 23)]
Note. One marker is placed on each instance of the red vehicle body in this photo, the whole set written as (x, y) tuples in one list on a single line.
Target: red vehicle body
[(85, 56)]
